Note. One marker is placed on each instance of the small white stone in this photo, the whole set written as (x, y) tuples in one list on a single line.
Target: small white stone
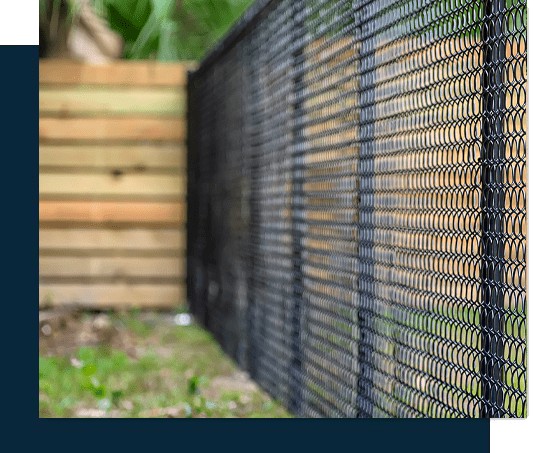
[(182, 319), (46, 329)]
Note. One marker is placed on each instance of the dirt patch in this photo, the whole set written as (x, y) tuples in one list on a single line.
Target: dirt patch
[(237, 382), (62, 332)]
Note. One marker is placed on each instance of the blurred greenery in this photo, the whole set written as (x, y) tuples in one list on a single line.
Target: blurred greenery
[(161, 29), (177, 371), (170, 29)]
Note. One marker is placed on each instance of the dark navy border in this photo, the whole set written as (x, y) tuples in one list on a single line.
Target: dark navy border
[(19, 179), (274, 435)]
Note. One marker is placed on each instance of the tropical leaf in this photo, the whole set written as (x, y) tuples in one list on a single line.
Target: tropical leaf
[(163, 29)]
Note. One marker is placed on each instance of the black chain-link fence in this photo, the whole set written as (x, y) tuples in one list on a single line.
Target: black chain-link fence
[(357, 216)]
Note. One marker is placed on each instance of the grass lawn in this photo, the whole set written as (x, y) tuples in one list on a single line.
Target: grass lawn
[(140, 365)]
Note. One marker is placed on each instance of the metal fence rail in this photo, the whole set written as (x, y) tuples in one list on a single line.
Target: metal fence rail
[(357, 204)]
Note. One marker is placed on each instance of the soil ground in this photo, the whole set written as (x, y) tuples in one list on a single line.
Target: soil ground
[(139, 364)]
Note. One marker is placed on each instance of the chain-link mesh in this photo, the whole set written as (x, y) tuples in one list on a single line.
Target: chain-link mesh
[(357, 216)]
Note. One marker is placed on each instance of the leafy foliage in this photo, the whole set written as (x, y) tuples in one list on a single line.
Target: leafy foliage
[(170, 29), (161, 29)]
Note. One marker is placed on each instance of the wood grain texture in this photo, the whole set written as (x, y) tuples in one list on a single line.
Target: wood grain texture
[(95, 212), (131, 186), (112, 296), (100, 240), (112, 267), (125, 73), (137, 157), (113, 129), (97, 101)]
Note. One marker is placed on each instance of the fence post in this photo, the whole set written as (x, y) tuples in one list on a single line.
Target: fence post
[(355, 304), (193, 267), (252, 99), (250, 180), (492, 206), (295, 387), (366, 216)]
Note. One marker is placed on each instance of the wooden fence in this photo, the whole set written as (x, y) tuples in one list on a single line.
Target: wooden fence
[(112, 179)]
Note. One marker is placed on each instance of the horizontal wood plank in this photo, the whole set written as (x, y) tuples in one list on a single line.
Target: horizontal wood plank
[(114, 129), (93, 101), (111, 267), (132, 186), (127, 73), (111, 144), (112, 296), (102, 240), (95, 212), (138, 157)]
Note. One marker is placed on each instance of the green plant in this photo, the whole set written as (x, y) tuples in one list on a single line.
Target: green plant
[(170, 29), (55, 18), (161, 29)]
